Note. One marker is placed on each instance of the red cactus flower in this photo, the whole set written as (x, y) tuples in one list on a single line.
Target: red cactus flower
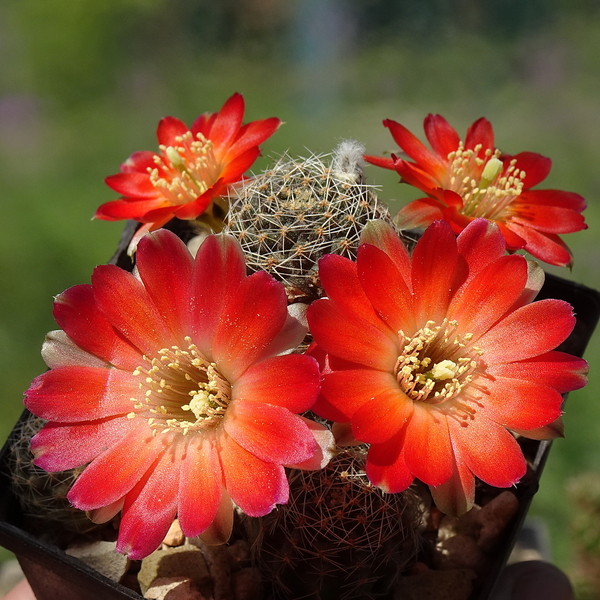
[(173, 386), (465, 181), (194, 167), (433, 359)]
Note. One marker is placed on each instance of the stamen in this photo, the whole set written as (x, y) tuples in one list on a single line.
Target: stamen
[(436, 364), (185, 171), (177, 384), (487, 186), (445, 369)]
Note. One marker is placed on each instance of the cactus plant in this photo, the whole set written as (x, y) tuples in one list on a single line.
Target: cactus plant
[(338, 536), (289, 216), (43, 495)]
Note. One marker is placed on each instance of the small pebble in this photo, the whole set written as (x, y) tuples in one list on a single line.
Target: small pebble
[(184, 561), (494, 517), (173, 588), (174, 536), (103, 557)]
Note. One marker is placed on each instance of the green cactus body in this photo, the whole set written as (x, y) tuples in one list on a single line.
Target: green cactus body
[(291, 215), (338, 537), (43, 495)]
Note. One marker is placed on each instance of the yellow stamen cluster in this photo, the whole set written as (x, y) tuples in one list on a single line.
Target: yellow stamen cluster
[(436, 363), (193, 169), (179, 384), (487, 191)]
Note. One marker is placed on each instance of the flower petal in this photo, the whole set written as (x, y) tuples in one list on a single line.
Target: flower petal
[(511, 339), (512, 239), (203, 124), (254, 485), (489, 451), (547, 219), (386, 467), (342, 433), (227, 123), (480, 132), (480, 244), (427, 449), (251, 135), (71, 394), (535, 281), (385, 288), (441, 135), (413, 174), (132, 185), (489, 295), (419, 213), (219, 531), (344, 392), (200, 485), (128, 307), (218, 271), (545, 246), (519, 403), (105, 513), (386, 163), (232, 172), (77, 313), (59, 447), (559, 370), (383, 236), (165, 267), (339, 278), (416, 149), (139, 162), (434, 260), (382, 416), (292, 333), (150, 507), (556, 198), (169, 129), (197, 206), (536, 167), (110, 477), (271, 433), (59, 350), (455, 496), (249, 323), (553, 430), (349, 337), (326, 447), (290, 381), (162, 214)]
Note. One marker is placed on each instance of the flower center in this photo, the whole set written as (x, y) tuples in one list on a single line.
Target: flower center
[(484, 184), (182, 390), (185, 171), (436, 363)]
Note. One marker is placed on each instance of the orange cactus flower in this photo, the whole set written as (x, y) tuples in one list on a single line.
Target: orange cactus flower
[(434, 359), (193, 169), (472, 179), (174, 387)]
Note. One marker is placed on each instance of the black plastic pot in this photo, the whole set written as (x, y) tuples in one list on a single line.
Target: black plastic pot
[(52, 573), (56, 576), (586, 304)]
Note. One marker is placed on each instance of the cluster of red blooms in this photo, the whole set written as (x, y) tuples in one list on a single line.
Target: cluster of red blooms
[(178, 386)]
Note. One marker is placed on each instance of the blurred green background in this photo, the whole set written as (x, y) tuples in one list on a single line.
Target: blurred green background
[(83, 84)]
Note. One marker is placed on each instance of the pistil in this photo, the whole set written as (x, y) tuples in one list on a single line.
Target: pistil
[(484, 184), (436, 363)]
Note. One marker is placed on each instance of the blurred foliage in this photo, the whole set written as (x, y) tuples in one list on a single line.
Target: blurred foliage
[(584, 491), (87, 82)]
